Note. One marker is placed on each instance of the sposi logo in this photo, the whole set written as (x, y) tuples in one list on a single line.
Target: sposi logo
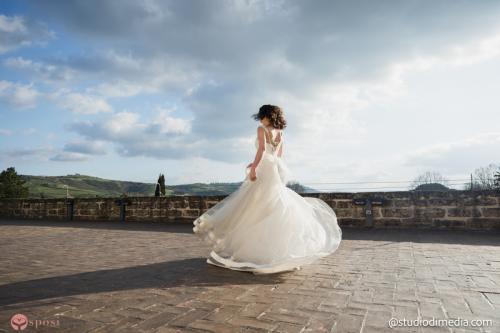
[(19, 322)]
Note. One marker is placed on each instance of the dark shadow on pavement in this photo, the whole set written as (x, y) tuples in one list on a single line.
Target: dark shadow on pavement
[(179, 227), (194, 272), (442, 236)]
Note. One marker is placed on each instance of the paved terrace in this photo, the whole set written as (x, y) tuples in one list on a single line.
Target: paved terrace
[(144, 277)]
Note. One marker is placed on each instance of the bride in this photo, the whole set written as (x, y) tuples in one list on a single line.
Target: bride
[(264, 226)]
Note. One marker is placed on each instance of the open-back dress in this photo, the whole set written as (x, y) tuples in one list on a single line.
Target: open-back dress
[(266, 227)]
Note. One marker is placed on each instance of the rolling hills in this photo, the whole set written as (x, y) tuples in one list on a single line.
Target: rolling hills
[(80, 186)]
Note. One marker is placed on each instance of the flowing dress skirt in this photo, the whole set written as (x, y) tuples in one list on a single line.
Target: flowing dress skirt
[(265, 227)]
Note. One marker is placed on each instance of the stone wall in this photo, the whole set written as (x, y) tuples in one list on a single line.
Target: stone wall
[(472, 210)]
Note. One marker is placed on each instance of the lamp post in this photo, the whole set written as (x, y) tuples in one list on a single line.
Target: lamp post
[(67, 191)]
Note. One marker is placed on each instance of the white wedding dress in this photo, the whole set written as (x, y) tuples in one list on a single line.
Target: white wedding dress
[(264, 226)]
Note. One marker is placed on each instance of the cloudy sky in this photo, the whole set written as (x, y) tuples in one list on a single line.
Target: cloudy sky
[(372, 90)]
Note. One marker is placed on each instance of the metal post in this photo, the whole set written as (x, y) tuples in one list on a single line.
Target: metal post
[(122, 211), (368, 203), (368, 213), (122, 203), (69, 209)]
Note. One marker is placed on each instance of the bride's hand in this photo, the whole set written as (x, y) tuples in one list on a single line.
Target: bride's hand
[(253, 175), (248, 166)]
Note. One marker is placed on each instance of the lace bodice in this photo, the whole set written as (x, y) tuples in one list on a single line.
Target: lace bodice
[(273, 140)]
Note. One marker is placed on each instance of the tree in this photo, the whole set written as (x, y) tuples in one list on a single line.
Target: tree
[(12, 185), (297, 187), (497, 181), (429, 181), (160, 186), (484, 177), (157, 189)]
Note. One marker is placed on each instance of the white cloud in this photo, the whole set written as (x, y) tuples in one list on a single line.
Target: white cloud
[(29, 131), (80, 103), (457, 156), (124, 124), (38, 153), (118, 74), (86, 147), (12, 24), (138, 74), (37, 69), (121, 124), (453, 55), (76, 151), (69, 157), (162, 136), (120, 88), (18, 95), (163, 122), (17, 32), (25, 131), (6, 132), (482, 50)]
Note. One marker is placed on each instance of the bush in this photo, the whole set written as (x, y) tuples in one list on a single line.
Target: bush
[(12, 185)]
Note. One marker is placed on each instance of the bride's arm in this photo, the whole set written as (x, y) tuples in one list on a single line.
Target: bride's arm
[(280, 152), (261, 149)]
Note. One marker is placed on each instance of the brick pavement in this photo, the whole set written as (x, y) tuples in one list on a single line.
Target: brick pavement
[(147, 277)]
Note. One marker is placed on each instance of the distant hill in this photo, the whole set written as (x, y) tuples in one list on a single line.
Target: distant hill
[(432, 187), (83, 186)]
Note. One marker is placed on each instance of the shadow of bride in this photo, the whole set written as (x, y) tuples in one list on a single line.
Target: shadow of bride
[(193, 272), (171, 227)]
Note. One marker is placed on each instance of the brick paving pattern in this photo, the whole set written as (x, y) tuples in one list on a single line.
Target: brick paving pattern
[(147, 277)]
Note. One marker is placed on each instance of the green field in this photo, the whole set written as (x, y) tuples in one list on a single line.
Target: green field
[(82, 186)]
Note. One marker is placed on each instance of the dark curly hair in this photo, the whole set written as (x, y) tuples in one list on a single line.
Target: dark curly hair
[(273, 113)]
